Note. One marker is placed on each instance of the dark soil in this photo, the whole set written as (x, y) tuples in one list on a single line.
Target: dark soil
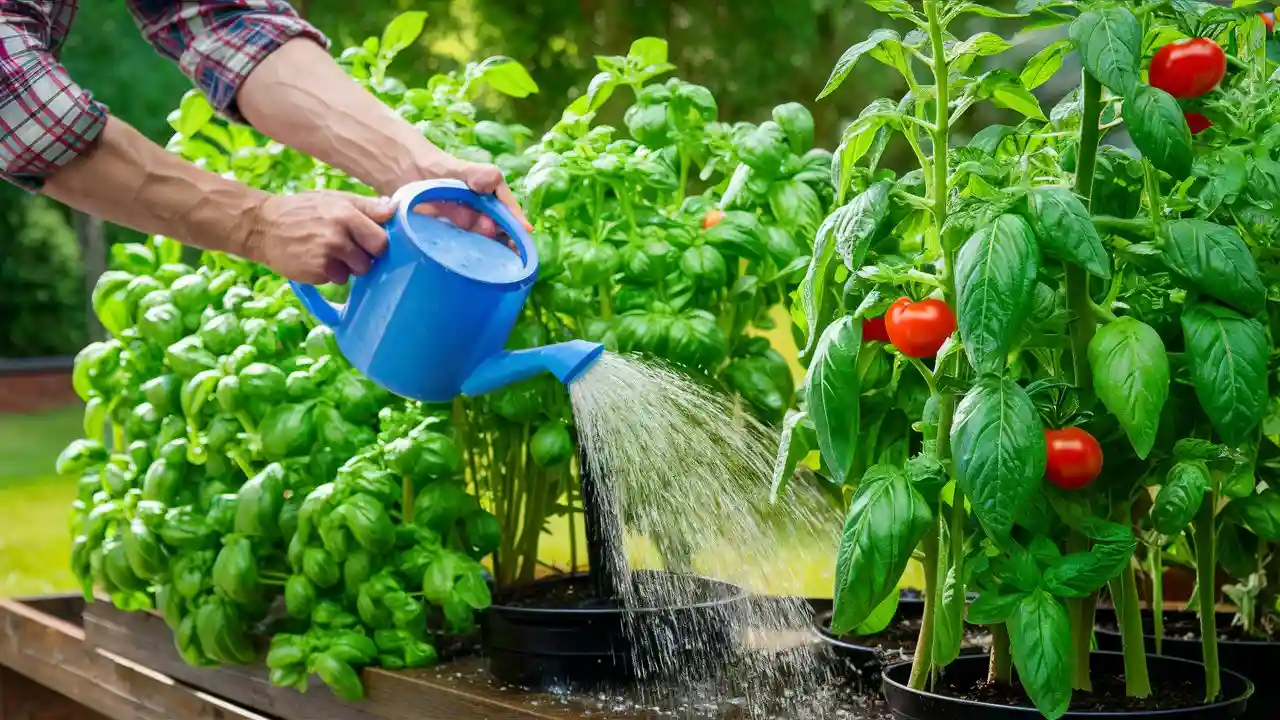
[(579, 593), (902, 634), (1183, 627), (1108, 696)]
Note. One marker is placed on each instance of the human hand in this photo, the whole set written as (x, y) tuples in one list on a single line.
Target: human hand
[(483, 179), (317, 237)]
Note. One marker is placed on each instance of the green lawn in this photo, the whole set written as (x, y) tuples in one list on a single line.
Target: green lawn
[(34, 543)]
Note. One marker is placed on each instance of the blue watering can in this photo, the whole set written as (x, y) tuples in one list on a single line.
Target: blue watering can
[(430, 319)]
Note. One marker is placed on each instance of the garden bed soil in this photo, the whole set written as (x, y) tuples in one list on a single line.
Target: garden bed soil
[(963, 693)]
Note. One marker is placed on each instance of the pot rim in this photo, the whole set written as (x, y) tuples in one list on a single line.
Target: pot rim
[(1170, 712), (1170, 638), (734, 594)]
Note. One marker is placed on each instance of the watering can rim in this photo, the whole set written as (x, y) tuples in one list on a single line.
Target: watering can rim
[(409, 195)]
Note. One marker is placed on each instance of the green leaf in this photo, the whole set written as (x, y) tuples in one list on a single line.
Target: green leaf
[(1261, 513), (948, 612), (797, 124), (1131, 377), (1044, 65), (999, 453), (887, 519), (879, 618), (992, 608), (1077, 575), (792, 448), (650, 51), (1215, 260), (1180, 497), (1228, 357), (1110, 45), (851, 56), (193, 114), (796, 205), (1227, 178), (995, 285), (894, 8), (1040, 639), (1065, 230), (832, 390), (507, 77), (860, 135), (1159, 130), (1005, 90), (977, 9), (978, 45), (402, 31)]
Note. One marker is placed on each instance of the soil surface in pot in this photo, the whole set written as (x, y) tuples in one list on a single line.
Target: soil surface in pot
[(1183, 627), (1108, 696), (902, 634), (579, 593)]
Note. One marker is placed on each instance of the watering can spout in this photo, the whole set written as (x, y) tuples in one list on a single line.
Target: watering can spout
[(568, 361)]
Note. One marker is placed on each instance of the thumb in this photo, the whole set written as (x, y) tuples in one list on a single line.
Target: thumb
[(379, 210), (484, 179)]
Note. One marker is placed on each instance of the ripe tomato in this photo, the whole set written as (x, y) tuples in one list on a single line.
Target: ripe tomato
[(1268, 19), (712, 218), (919, 329), (1188, 68), (1074, 458), (1197, 122), (873, 330)]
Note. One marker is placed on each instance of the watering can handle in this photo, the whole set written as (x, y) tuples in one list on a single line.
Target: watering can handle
[(406, 198)]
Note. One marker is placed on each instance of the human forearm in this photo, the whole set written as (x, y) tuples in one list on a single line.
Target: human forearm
[(130, 180), (300, 97)]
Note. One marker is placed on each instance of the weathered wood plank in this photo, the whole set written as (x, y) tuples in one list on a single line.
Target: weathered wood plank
[(448, 692), (52, 653), (21, 698)]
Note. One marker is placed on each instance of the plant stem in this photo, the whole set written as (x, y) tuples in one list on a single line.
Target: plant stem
[(1001, 668), (406, 502), (1129, 612), (1081, 615), (1083, 324), (1156, 570), (922, 663), (1206, 567)]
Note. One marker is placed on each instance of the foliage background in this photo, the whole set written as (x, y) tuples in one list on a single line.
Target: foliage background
[(751, 55)]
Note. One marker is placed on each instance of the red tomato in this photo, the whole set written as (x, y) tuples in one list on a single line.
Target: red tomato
[(919, 329), (1074, 458), (1268, 19), (1197, 122), (712, 218), (1188, 68), (873, 330)]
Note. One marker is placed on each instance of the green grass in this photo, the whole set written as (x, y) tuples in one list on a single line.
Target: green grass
[(34, 542)]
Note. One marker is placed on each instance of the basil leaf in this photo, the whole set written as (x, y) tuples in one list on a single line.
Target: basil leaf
[(1228, 354), (1110, 45), (879, 618), (793, 445), (1261, 513), (1078, 575), (1065, 231), (1180, 497), (998, 445), (995, 284), (887, 519), (1042, 66), (851, 56), (948, 623), (832, 390), (1159, 129), (1044, 550), (1226, 178), (1214, 259), (992, 608), (1040, 640), (1131, 378)]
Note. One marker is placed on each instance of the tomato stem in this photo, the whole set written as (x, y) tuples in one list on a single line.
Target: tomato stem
[(1124, 590), (1206, 570)]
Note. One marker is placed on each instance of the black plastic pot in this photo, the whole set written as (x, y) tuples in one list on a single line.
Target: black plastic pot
[(1254, 659), (863, 664), (908, 704), (598, 641)]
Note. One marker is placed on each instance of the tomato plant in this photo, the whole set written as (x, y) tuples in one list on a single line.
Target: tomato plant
[(919, 329), (1083, 280)]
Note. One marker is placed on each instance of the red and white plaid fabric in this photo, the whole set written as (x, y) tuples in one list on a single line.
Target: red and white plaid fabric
[(46, 120)]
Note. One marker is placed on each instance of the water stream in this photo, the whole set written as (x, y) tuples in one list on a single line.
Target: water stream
[(689, 471)]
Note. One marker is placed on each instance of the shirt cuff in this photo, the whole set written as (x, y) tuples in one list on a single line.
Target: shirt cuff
[(46, 121), (221, 60)]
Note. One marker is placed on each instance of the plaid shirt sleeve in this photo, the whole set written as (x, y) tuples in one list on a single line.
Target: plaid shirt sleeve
[(46, 120), (217, 43)]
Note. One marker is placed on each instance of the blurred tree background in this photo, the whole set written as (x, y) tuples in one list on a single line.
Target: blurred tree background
[(751, 55)]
